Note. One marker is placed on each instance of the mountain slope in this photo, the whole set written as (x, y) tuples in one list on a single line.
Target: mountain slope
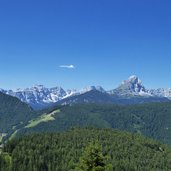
[(152, 120), (161, 92), (95, 96), (92, 96), (125, 151), (13, 113)]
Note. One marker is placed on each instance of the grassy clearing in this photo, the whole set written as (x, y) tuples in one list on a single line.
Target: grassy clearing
[(42, 118), (13, 135)]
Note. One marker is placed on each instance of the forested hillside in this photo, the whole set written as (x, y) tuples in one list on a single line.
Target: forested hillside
[(152, 120), (65, 151), (13, 112)]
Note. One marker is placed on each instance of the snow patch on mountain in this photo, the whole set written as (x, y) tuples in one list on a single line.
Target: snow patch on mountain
[(161, 92), (39, 96)]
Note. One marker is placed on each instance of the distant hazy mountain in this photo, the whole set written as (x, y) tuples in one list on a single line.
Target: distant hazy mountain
[(130, 91)]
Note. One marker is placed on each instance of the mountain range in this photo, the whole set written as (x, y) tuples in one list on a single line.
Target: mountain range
[(129, 91), (151, 119), (69, 111)]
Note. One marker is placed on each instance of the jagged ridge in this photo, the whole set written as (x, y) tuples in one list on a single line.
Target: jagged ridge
[(40, 97)]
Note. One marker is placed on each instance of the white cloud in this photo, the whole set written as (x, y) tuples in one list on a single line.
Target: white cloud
[(67, 66)]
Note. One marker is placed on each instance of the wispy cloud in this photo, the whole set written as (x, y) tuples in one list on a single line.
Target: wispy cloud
[(67, 66)]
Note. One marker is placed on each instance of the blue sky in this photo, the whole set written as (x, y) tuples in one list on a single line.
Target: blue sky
[(106, 41)]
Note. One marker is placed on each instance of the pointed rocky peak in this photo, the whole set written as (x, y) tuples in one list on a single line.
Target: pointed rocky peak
[(131, 87), (132, 80)]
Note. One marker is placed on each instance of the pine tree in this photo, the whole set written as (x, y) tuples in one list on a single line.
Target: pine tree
[(93, 159)]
